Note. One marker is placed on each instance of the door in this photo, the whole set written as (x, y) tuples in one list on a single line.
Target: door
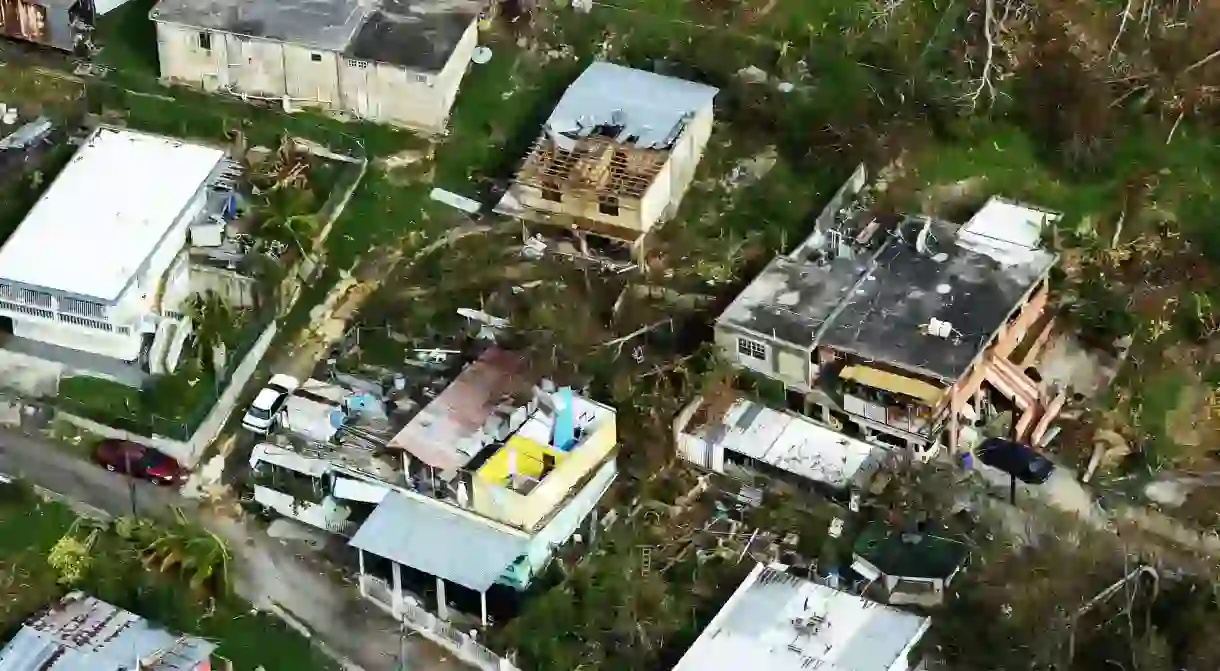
[(354, 86)]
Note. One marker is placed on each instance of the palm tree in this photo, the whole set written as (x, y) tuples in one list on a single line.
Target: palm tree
[(211, 317), (289, 215), (196, 553)]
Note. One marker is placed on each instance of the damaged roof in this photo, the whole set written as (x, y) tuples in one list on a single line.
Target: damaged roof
[(876, 306), (82, 633), (416, 34), (650, 110), (450, 430)]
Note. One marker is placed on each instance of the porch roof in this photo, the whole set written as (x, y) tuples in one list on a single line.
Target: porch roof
[(440, 540)]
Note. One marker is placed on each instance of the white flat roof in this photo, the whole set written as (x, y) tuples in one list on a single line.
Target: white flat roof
[(780, 622), (106, 212), (1007, 231), (794, 444)]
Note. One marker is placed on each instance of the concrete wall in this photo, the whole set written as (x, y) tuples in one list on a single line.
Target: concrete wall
[(664, 195), (189, 452), (784, 362), (559, 530), (236, 289), (310, 78), (528, 511)]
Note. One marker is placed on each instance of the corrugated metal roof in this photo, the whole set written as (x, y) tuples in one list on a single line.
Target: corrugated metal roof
[(83, 633), (780, 622), (448, 432), (651, 109), (440, 540), (791, 443)]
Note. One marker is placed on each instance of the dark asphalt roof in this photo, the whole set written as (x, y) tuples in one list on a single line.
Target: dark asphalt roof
[(874, 306), (416, 35)]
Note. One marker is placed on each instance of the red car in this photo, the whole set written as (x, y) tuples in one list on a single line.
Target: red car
[(139, 461)]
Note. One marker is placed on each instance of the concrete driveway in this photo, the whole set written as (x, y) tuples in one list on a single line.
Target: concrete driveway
[(1062, 491), (269, 573)]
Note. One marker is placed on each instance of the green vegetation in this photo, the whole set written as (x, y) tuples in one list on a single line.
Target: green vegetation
[(154, 572), (172, 404), (1061, 104)]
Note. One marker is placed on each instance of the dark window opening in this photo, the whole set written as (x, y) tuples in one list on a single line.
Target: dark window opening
[(552, 195), (608, 205), (316, 58), (205, 41)]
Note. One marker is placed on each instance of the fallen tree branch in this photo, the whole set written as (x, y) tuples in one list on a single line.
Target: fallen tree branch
[(1121, 27), (985, 78), (1201, 62), (636, 333)]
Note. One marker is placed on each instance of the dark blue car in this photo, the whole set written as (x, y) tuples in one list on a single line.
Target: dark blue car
[(1016, 459)]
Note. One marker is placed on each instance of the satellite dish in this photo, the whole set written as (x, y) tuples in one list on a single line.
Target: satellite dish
[(481, 55)]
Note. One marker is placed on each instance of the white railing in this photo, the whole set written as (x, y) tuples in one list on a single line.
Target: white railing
[(432, 627)]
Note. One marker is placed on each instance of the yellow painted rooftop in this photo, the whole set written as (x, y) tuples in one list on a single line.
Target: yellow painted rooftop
[(520, 456)]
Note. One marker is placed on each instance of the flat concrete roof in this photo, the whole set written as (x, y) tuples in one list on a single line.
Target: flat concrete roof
[(874, 305), (324, 24), (106, 212), (416, 34), (781, 622)]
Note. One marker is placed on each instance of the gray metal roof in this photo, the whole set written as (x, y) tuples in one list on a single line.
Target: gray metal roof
[(780, 622), (440, 540), (82, 633), (652, 109)]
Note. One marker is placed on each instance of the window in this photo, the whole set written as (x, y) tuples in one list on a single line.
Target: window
[(124, 330), (608, 205), (205, 41), (552, 195), (316, 58), (417, 77), (358, 64), (752, 349)]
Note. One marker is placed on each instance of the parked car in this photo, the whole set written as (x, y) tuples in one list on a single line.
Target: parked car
[(261, 415), (1016, 459), (139, 461)]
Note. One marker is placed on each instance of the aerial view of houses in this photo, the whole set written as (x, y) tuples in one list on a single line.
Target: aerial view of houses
[(513, 335)]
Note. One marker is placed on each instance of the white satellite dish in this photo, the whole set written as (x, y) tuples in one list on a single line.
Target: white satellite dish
[(481, 55)]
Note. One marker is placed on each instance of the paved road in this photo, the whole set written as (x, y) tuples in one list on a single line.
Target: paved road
[(268, 571)]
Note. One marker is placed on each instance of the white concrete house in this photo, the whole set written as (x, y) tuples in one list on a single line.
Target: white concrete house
[(93, 266), (399, 62), (781, 622), (616, 155)]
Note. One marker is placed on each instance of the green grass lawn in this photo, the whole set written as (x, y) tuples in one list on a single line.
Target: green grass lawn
[(28, 530)]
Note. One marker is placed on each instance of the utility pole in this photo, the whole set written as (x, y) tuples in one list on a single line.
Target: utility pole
[(402, 645), (131, 481)]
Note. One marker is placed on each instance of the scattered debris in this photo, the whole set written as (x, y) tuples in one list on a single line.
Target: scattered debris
[(454, 200)]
